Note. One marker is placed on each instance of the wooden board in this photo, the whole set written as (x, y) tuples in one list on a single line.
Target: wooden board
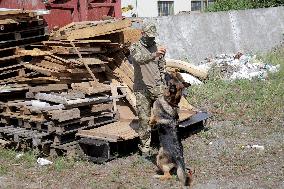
[(98, 30), (112, 132)]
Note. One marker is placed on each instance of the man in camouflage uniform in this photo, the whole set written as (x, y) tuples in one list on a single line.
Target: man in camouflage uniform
[(149, 63)]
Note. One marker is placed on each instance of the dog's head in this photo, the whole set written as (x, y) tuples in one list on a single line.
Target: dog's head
[(174, 89)]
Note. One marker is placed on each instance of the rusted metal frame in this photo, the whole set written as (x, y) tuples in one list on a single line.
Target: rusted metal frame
[(95, 5), (71, 5)]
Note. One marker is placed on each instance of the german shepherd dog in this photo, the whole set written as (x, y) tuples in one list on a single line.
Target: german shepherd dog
[(164, 118)]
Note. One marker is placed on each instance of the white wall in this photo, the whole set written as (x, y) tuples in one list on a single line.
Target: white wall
[(149, 8)]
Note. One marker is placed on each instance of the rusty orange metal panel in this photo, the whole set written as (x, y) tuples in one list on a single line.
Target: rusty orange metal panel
[(65, 12)]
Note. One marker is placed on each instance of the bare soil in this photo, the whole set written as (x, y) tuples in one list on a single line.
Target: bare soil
[(218, 154)]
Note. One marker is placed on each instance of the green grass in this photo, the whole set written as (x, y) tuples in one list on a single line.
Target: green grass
[(7, 154), (63, 163), (3, 169), (244, 101)]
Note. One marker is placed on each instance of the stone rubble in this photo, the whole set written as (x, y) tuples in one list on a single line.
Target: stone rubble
[(237, 66)]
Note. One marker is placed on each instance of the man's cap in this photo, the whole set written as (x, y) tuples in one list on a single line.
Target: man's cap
[(150, 29)]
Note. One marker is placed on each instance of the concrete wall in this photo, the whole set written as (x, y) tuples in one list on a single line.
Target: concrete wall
[(149, 8), (197, 36)]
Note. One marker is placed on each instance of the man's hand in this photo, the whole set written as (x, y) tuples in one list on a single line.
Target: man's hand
[(160, 52)]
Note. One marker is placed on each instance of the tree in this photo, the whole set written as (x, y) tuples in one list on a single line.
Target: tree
[(225, 5)]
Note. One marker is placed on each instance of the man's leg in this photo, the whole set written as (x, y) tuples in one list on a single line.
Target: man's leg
[(143, 105)]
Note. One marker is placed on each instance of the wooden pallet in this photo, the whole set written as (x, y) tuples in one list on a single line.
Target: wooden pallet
[(107, 142), (113, 132), (18, 135), (67, 149), (23, 38), (69, 135)]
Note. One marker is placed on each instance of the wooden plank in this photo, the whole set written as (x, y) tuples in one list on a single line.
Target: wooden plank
[(112, 132), (82, 50), (51, 65), (50, 87), (98, 30), (186, 66), (26, 30), (66, 42), (27, 40), (90, 87), (64, 115), (130, 35), (18, 13), (34, 52), (85, 64), (102, 107), (66, 102), (92, 61), (44, 71), (7, 21), (10, 57), (13, 67), (91, 122)]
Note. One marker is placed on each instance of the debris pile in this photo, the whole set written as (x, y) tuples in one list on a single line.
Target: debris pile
[(75, 91), (75, 79), (237, 66)]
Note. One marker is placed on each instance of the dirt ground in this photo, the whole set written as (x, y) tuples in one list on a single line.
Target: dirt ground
[(218, 154)]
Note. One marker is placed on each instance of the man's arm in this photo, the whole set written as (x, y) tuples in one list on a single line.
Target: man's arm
[(139, 57), (144, 58)]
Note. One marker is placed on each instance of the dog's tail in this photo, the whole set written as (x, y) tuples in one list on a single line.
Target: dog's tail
[(184, 177)]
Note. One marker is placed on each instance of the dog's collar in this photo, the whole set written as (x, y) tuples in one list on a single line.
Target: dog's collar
[(171, 104), (168, 107)]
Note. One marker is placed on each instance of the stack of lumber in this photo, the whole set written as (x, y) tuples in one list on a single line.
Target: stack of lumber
[(74, 85), (58, 113), (18, 29)]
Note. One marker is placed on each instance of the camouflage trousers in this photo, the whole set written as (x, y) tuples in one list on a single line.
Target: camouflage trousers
[(144, 103)]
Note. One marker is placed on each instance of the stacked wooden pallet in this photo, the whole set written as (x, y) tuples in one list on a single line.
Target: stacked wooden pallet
[(73, 85), (18, 29), (58, 113), (21, 28)]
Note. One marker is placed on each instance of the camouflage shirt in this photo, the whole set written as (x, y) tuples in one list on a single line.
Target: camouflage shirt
[(148, 71)]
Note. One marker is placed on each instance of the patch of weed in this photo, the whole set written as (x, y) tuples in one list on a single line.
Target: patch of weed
[(3, 170), (208, 135), (62, 163), (29, 159), (7, 154)]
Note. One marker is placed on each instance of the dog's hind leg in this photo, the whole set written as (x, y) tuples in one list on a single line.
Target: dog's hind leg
[(166, 168), (184, 177)]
